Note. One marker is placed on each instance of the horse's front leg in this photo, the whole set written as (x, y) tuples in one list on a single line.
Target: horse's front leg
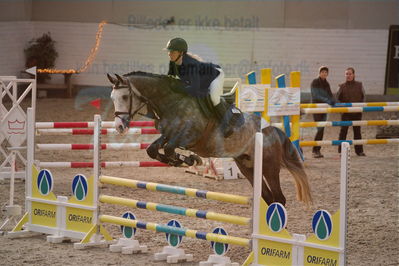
[(173, 157), (153, 150), (177, 159)]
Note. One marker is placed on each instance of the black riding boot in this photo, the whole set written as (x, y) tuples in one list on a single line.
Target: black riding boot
[(221, 109)]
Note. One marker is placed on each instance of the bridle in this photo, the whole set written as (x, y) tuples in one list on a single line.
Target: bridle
[(143, 100)]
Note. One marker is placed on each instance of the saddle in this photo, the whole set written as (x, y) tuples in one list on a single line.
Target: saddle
[(232, 117)]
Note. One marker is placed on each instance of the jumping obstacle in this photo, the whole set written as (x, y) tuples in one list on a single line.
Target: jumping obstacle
[(291, 124), (296, 249), (169, 253), (330, 110), (86, 128), (190, 192), (13, 136), (274, 245), (102, 164), (351, 142), (325, 105), (346, 123), (357, 107), (59, 217), (105, 124), (106, 131), (226, 218), (79, 217), (13, 122), (106, 146)]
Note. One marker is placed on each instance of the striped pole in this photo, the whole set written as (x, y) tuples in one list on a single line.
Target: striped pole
[(175, 231), (351, 123), (221, 217), (350, 109), (351, 142), (104, 124), (325, 105), (106, 131), (105, 146), (345, 123), (103, 164), (250, 78), (280, 83), (190, 192)]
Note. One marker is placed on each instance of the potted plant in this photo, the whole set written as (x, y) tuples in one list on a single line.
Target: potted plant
[(41, 52)]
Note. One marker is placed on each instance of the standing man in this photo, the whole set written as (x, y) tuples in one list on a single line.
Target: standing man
[(349, 92), (321, 93)]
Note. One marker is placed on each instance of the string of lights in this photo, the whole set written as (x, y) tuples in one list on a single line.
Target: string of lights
[(88, 61)]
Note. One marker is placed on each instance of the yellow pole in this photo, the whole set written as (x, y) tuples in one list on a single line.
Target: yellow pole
[(266, 78), (295, 82)]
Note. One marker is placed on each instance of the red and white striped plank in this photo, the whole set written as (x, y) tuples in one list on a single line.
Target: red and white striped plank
[(105, 131), (105, 146), (103, 164), (105, 124)]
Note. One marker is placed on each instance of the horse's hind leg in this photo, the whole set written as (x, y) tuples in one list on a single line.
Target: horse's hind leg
[(249, 174), (271, 171)]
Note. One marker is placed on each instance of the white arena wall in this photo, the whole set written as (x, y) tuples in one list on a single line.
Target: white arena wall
[(238, 51)]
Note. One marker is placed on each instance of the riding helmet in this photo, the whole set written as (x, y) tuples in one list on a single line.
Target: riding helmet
[(177, 44)]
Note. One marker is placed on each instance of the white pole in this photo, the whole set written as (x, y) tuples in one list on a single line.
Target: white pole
[(13, 165), (345, 167), (257, 194), (30, 152), (34, 92), (96, 163)]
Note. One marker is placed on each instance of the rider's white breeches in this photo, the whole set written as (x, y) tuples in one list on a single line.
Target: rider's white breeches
[(216, 87)]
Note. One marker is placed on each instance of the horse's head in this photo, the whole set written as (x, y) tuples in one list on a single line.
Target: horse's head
[(127, 102)]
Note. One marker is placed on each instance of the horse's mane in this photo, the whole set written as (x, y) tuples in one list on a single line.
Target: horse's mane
[(145, 74), (174, 83)]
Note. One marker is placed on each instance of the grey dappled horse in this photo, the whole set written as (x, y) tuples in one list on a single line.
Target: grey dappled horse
[(183, 125)]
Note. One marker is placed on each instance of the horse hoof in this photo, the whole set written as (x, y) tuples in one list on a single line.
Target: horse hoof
[(197, 160), (175, 163)]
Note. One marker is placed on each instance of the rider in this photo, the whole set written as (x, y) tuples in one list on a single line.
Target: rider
[(201, 79)]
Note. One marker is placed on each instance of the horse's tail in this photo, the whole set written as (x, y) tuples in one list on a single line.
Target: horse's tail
[(292, 161)]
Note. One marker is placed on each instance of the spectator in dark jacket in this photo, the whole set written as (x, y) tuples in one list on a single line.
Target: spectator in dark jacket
[(349, 92), (321, 93), (200, 78)]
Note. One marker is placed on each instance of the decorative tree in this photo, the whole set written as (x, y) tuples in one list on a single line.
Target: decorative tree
[(41, 53)]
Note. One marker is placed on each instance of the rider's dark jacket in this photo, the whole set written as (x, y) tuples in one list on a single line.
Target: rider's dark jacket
[(196, 75)]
